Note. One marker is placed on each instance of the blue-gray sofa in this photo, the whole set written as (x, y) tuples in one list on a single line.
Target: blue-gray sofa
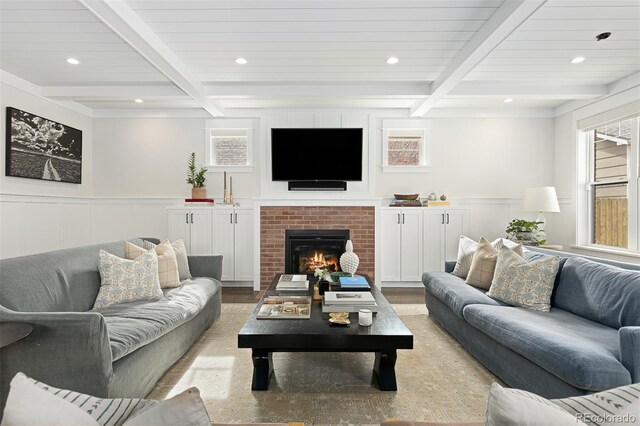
[(117, 351), (588, 342)]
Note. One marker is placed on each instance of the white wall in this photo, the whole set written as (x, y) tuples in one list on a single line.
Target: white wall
[(477, 158), (13, 97)]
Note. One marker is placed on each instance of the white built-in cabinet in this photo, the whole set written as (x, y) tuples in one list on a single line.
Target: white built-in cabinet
[(416, 240), (195, 227), (233, 232), (401, 248), (217, 230), (441, 235)]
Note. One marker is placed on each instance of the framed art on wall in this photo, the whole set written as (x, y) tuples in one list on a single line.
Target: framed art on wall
[(39, 148)]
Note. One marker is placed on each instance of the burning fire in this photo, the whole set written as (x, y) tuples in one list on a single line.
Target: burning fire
[(318, 260)]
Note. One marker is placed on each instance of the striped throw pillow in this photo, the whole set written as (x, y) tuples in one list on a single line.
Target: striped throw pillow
[(106, 412), (615, 406)]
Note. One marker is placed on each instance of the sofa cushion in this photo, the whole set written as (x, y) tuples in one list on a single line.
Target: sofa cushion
[(167, 262), (133, 325), (602, 293), (581, 352), (454, 292)]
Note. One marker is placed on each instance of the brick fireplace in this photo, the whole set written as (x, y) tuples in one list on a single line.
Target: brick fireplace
[(359, 220)]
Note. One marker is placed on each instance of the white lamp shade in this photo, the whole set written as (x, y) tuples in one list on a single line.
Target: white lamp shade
[(543, 199)]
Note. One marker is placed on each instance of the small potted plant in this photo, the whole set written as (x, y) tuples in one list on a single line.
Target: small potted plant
[(196, 178), (324, 278), (522, 231)]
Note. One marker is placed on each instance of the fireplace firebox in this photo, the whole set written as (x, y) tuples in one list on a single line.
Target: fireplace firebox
[(308, 249)]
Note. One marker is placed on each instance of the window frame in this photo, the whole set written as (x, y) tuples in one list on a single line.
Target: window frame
[(586, 229), (424, 155), (209, 150)]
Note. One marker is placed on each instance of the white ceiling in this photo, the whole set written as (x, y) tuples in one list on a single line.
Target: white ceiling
[(320, 53)]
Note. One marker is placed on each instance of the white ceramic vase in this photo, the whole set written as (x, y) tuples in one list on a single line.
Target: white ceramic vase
[(349, 261)]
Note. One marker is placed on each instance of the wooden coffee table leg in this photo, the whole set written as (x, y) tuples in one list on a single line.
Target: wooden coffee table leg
[(262, 369), (384, 369)]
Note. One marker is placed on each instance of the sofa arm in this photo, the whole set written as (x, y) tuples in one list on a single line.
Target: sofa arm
[(65, 349), (206, 266), (630, 351)]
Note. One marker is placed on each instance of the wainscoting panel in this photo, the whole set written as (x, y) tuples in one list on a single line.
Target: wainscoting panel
[(10, 227), (75, 225), (39, 227), (488, 220)]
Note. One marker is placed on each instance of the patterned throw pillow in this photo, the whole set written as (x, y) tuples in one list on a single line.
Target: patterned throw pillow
[(518, 407), (167, 263), (125, 280), (484, 260), (524, 284), (619, 406), (181, 256), (467, 247)]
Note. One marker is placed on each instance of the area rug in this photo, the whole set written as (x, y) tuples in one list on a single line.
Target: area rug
[(437, 380)]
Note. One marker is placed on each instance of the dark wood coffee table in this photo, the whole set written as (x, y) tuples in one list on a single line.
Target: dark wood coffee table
[(387, 334)]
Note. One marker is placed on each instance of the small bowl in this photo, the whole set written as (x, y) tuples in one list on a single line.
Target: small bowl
[(406, 196)]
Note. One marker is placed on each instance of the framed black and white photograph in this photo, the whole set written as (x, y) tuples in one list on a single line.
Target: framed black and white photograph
[(39, 148)]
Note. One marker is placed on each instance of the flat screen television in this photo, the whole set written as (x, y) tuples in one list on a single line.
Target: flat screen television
[(316, 154)]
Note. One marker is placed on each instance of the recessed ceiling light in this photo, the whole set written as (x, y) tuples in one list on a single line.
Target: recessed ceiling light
[(578, 59), (138, 100), (393, 60), (241, 61), (508, 100), (73, 61)]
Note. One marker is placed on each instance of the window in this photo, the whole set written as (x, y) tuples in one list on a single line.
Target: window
[(405, 150), (613, 185), (229, 149)]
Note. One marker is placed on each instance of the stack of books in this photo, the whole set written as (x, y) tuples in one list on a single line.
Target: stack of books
[(405, 203), (436, 203), (356, 282), (290, 282), (348, 301), (198, 201), (291, 307)]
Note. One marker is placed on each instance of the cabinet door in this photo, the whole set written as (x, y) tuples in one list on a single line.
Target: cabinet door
[(223, 241), (243, 245), (457, 224), (180, 227), (433, 240), (411, 251), (390, 227), (201, 232)]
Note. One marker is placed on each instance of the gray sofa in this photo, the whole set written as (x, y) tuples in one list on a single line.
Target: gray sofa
[(588, 342), (117, 351)]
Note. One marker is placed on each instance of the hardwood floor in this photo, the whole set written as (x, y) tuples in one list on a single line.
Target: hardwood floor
[(393, 295)]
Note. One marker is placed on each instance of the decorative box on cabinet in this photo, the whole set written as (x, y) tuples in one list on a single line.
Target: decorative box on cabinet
[(401, 248), (233, 231), (195, 227), (441, 234)]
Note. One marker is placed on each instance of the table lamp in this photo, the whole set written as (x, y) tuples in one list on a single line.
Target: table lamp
[(541, 200)]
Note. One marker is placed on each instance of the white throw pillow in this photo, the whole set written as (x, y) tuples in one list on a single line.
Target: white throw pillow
[(184, 409), (181, 257), (28, 404), (524, 284), (167, 263), (124, 281), (514, 407)]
